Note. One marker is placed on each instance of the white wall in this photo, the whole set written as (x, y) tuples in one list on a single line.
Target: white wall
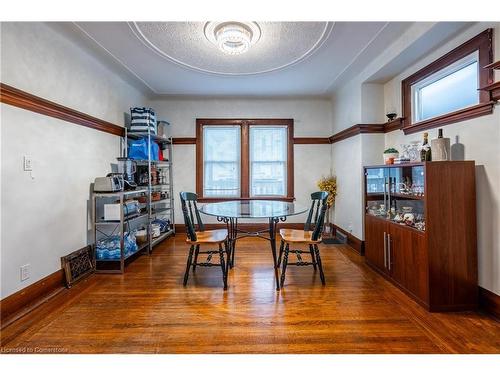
[(46, 217), (312, 117), (480, 138)]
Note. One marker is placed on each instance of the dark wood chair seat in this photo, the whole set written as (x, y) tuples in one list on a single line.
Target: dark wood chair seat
[(209, 236)]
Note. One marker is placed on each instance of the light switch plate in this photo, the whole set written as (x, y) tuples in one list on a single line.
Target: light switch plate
[(28, 163), (25, 272)]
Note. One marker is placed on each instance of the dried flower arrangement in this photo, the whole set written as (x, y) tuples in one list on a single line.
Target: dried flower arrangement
[(329, 184)]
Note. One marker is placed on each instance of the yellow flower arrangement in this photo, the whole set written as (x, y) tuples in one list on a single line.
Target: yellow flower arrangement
[(329, 184)]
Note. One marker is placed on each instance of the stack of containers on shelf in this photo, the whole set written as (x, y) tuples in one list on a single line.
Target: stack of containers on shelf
[(143, 120), (150, 145)]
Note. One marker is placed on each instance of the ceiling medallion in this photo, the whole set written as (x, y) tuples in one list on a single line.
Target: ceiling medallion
[(232, 38)]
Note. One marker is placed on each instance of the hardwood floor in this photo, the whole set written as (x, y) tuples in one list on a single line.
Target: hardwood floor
[(147, 310)]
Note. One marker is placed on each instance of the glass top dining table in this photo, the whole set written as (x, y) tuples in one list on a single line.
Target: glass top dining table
[(230, 211)]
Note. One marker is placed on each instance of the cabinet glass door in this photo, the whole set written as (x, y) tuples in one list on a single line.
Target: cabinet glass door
[(396, 193), (406, 198), (375, 179), (376, 191)]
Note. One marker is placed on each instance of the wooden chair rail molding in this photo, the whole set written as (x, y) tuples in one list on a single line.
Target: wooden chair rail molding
[(18, 98), (22, 99)]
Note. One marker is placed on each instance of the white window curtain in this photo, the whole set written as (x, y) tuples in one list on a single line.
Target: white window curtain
[(221, 156), (268, 160)]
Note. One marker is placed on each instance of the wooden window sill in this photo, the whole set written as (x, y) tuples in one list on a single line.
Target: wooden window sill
[(480, 109), (217, 199)]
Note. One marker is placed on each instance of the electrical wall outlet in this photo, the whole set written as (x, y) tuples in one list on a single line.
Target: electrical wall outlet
[(28, 163), (349, 228), (25, 272)]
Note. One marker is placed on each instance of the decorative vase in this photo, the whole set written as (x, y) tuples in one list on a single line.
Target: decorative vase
[(440, 149)]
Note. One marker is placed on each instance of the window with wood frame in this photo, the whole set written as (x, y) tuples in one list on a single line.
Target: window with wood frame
[(447, 90), (244, 159)]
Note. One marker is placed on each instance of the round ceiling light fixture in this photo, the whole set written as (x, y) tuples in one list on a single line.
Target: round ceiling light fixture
[(232, 38)]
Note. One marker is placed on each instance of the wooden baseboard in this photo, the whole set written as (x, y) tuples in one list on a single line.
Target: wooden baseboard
[(354, 242), (489, 302), (27, 299)]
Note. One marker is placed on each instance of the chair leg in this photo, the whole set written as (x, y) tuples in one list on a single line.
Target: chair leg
[(188, 266), (320, 265), (233, 250), (282, 246), (228, 254), (223, 266), (285, 263), (311, 250), (196, 252)]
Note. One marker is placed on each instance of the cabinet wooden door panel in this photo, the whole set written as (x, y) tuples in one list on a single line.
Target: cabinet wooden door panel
[(374, 242), (408, 258)]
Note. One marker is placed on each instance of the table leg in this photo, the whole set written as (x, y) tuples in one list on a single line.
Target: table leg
[(273, 224)]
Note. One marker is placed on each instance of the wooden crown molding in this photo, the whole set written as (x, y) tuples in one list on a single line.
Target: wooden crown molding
[(21, 99)]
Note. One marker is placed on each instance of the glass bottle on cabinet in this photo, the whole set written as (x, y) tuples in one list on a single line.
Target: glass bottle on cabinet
[(396, 193)]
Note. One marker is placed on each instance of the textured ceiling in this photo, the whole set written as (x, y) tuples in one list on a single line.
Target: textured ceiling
[(281, 44), (291, 59)]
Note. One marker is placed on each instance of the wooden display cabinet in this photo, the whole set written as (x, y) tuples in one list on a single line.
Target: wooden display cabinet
[(420, 230)]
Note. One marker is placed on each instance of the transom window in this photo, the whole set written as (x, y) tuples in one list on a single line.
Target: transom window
[(447, 90), (244, 159)]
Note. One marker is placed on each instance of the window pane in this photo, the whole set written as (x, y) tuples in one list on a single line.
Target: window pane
[(450, 93), (268, 160), (221, 159)]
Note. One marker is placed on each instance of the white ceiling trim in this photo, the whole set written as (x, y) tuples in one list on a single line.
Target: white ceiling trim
[(139, 34), (153, 91), (334, 81)]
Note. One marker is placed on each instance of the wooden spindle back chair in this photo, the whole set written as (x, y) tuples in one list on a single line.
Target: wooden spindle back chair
[(197, 235), (311, 236)]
